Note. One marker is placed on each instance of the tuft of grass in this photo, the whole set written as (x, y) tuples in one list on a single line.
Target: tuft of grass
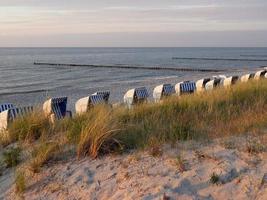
[(98, 134), (214, 178), (254, 147), (180, 163), (43, 153), (11, 157), (229, 144), (155, 147), (29, 127), (20, 182)]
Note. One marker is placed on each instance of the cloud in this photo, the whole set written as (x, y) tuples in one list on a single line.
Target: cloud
[(38, 17)]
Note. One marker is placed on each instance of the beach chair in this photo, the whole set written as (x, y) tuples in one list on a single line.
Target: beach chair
[(200, 84), (186, 87), (162, 91), (246, 77), (227, 82), (56, 108), (6, 106), (84, 104), (260, 74), (214, 83), (9, 115), (135, 96)]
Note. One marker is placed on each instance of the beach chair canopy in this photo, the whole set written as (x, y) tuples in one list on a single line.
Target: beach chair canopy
[(135, 96), (105, 95), (246, 77), (162, 91), (230, 80), (6, 106), (200, 84), (185, 87), (84, 104), (56, 106), (9, 115), (260, 74)]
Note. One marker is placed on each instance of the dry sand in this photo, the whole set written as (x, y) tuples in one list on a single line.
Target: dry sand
[(138, 175)]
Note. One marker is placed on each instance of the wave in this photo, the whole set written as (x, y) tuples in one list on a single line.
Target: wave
[(225, 59), (24, 92), (250, 55)]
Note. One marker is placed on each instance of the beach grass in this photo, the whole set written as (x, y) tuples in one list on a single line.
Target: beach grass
[(240, 109)]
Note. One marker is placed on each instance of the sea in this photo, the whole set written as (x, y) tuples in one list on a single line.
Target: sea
[(23, 83)]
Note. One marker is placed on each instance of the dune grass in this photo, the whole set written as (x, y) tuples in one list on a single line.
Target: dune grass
[(42, 153), (29, 127), (221, 112), (11, 157)]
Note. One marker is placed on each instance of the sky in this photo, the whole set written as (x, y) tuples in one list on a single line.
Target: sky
[(133, 23)]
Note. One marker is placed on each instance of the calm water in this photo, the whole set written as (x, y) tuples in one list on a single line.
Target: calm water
[(23, 83)]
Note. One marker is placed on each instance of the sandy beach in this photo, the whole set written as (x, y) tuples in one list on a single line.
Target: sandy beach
[(182, 171)]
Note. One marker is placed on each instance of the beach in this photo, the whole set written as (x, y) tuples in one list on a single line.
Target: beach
[(139, 175), (209, 144)]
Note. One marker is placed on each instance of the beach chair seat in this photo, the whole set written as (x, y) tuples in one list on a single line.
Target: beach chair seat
[(230, 81), (84, 104), (260, 74), (9, 115), (186, 87), (162, 91), (6, 106), (135, 96), (56, 108), (246, 77), (200, 84)]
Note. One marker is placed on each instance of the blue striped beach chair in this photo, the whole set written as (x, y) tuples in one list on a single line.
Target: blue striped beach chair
[(84, 104), (56, 108), (227, 82), (185, 87), (214, 83), (163, 91), (260, 74), (135, 96), (6, 106), (200, 84), (246, 77), (9, 115)]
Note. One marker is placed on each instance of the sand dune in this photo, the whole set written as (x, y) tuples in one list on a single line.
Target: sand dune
[(181, 172)]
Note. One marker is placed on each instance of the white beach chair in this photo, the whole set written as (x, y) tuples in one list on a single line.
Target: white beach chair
[(227, 82), (185, 87), (135, 96), (84, 104), (162, 91), (260, 74), (200, 84), (6, 106), (56, 108), (246, 77), (9, 115)]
